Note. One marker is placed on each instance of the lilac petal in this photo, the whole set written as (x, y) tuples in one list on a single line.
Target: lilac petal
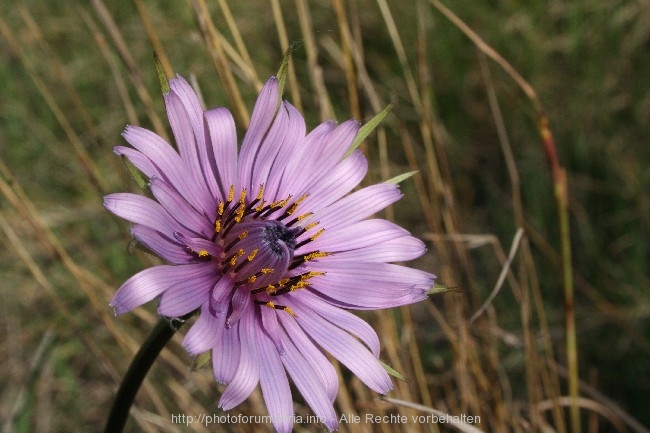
[(272, 328), (343, 347), (191, 104), (342, 179), (359, 205), (169, 163), (188, 148), (164, 247), (321, 366), (361, 234), (205, 332), (296, 172), (225, 355), (248, 374), (263, 115), (179, 209), (370, 285), (198, 245), (141, 210), (221, 294), (138, 159), (321, 160), (221, 133), (274, 384), (268, 150), (344, 320), (307, 381), (241, 300), (395, 250), (149, 283), (296, 131), (186, 296)]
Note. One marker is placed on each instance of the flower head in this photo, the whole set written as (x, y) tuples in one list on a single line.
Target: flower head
[(270, 245)]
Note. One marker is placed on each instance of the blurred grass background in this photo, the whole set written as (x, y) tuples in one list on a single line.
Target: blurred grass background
[(73, 73)]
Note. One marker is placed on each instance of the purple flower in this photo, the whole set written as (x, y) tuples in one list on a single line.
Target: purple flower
[(270, 245)]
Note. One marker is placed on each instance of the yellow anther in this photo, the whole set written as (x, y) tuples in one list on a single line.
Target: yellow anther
[(243, 234), (231, 193), (251, 279), (267, 270), (234, 258), (315, 255), (222, 206), (217, 226), (203, 253), (271, 289), (261, 193), (252, 255), (260, 206), (240, 212), (292, 209), (301, 199), (317, 234), (283, 282), (311, 225), (305, 215), (276, 204), (271, 304), (294, 206), (242, 196), (289, 310), (299, 285)]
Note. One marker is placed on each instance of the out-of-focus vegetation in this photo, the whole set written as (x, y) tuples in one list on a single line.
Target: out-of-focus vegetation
[(73, 73)]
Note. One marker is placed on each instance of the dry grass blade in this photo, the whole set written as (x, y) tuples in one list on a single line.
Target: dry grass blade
[(213, 40), (459, 425), (134, 71), (502, 276)]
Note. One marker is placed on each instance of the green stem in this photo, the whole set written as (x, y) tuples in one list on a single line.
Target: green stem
[(151, 348)]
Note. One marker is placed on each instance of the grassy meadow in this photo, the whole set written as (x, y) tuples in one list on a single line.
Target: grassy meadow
[(528, 124)]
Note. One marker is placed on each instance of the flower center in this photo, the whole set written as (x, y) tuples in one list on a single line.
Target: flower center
[(255, 243)]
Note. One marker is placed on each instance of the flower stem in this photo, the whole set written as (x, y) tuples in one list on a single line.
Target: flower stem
[(151, 348)]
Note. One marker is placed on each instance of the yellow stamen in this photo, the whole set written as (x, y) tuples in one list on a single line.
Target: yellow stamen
[(294, 206), (289, 310), (299, 285), (240, 212), (222, 206), (261, 193), (260, 206), (311, 225), (315, 255), (231, 193), (252, 255), (317, 234), (271, 304), (203, 253), (243, 234), (267, 270), (217, 226), (234, 258)]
